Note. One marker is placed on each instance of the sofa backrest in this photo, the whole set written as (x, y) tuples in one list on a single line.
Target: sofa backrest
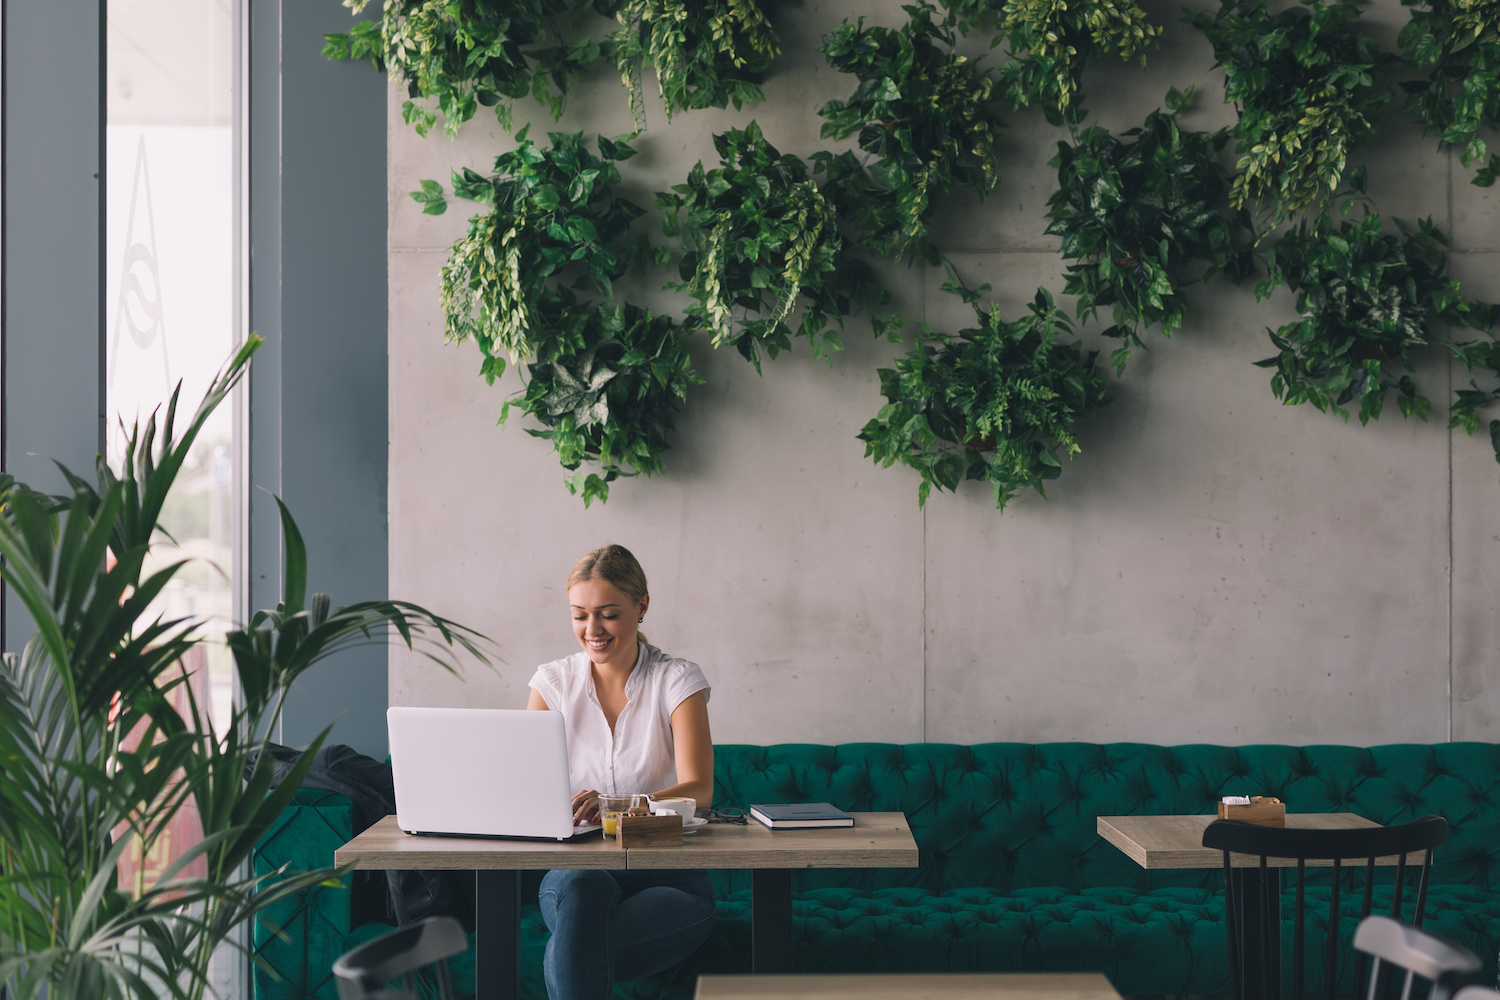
[(1012, 815)]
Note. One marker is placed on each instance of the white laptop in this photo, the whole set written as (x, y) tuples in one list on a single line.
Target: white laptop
[(482, 772)]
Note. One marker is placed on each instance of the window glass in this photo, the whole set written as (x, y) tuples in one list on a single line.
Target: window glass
[(172, 277)]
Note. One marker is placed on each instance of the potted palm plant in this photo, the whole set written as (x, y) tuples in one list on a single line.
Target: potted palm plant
[(96, 755)]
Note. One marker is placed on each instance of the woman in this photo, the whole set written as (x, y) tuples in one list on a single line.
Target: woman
[(637, 721)]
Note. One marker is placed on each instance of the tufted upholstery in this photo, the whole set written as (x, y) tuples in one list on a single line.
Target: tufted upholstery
[(1012, 874)]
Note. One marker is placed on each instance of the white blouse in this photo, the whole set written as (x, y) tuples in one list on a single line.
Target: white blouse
[(638, 756)]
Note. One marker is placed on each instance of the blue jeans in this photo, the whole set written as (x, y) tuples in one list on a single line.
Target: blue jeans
[(610, 927)]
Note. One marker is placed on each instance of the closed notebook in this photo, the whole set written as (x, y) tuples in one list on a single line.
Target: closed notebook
[(801, 815)]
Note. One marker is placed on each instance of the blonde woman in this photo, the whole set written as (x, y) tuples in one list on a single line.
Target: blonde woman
[(637, 721)]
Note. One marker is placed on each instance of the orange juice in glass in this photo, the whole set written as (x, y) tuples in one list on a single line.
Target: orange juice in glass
[(612, 807)]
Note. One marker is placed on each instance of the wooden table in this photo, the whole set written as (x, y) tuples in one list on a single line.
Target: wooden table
[(921, 986), (1158, 842), (877, 840)]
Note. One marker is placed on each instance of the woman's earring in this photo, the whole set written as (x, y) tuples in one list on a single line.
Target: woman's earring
[(640, 621)]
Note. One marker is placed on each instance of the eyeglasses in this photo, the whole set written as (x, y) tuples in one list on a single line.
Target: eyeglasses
[(728, 814)]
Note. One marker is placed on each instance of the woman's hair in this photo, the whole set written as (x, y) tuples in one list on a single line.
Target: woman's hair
[(615, 565)]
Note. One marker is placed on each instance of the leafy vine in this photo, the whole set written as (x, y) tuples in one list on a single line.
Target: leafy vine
[(757, 235), (606, 384), (1053, 41), (997, 403), (553, 215), (1366, 297), (1458, 42), (706, 53), (1304, 82), (927, 114), (1135, 211), (470, 54)]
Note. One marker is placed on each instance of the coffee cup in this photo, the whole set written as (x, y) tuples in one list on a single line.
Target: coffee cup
[(681, 806)]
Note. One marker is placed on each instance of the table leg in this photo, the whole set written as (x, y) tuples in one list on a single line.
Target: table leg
[(1258, 918), (771, 920), (497, 935)]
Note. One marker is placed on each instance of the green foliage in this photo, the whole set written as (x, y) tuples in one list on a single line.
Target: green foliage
[(1366, 299), (553, 216), (98, 755), (1458, 42), (1483, 355), (1135, 213), (926, 112), (706, 53), (1053, 41), (1304, 83), (757, 235), (997, 403), (606, 384), (468, 53)]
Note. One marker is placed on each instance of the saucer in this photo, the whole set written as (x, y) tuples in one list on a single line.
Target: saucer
[(694, 825)]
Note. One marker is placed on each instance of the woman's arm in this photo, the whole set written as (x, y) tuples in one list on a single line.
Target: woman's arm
[(694, 750), (535, 702)]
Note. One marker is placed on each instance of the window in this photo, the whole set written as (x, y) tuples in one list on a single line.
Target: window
[(173, 267)]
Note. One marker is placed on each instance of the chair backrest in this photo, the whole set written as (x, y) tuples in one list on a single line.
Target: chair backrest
[(1337, 846), (1442, 963), (365, 972)]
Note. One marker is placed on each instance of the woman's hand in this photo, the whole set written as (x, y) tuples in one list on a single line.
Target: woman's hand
[(585, 807)]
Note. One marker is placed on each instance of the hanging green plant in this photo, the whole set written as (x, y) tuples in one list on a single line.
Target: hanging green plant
[(553, 218), (1304, 83), (927, 114), (1458, 43), (998, 403), (757, 237), (706, 53), (606, 384), (1053, 41), (468, 54), (1135, 211), (1483, 356), (1366, 299)]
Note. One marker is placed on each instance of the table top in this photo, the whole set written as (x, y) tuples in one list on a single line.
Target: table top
[(924, 986), (877, 840), (1177, 841)]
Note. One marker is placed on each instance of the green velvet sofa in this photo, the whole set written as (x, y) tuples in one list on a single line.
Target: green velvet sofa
[(1012, 874)]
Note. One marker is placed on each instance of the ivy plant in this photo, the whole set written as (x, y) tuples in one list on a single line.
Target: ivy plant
[(1053, 41), (606, 385), (758, 237), (553, 217), (1467, 403), (925, 112), (1134, 211), (467, 54), (1458, 43), (1304, 82), (1366, 298), (706, 53), (997, 403)]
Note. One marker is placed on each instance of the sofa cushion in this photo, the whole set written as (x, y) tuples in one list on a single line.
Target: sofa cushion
[(1011, 816)]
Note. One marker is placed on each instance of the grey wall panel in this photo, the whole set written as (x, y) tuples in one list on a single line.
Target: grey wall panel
[(53, 148), (318, 411), (1214, 566)]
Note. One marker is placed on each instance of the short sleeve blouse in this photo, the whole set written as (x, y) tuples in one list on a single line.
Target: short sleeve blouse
[(639, 755)]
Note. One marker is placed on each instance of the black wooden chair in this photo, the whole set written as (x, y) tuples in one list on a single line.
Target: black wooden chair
[(1259, 923), (1442, 963), (367, 972)]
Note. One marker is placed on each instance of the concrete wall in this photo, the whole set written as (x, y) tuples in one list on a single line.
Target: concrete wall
[(1215, 567)]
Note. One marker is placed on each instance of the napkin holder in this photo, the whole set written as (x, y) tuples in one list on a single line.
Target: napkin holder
[(650, 831), (1262, 810)]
